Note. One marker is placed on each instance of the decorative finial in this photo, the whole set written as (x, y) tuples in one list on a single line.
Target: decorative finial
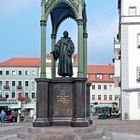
[(43, 2)]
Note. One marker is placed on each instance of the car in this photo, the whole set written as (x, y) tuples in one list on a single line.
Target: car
[(11, 116)]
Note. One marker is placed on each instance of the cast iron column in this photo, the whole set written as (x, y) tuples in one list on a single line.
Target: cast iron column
[(85, 54), (80, 48), (43, 48), (53, 67)]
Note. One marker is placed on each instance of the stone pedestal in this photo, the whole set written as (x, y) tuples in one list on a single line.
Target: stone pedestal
[(61, 102), (88, 103), (42, 104), (79, 103)]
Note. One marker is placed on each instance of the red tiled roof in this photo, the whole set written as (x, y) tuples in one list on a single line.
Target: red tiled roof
[(100, 69), (105, 70), (21, 62), (30, 62)]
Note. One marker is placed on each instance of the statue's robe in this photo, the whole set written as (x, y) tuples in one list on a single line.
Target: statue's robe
[(63, 51)]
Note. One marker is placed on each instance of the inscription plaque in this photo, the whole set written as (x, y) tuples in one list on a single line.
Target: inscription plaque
[(62, 101), (63, 98)]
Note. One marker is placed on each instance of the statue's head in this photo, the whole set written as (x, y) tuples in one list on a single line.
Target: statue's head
[(65, 34)]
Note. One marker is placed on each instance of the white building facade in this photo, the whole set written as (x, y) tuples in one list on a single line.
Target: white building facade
[(129, 38), (17, 77), (103, 87)]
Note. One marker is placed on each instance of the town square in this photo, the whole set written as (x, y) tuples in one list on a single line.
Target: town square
[(70, 70)]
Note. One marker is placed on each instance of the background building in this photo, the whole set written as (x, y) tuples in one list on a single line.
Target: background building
[(17, 82), (17, 79), (129, 39), (102, 89)]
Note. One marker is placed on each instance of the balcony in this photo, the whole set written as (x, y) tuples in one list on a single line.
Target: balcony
[(6, 87), (19, 87)]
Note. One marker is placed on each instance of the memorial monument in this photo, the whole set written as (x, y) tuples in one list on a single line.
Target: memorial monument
[(63, 101)]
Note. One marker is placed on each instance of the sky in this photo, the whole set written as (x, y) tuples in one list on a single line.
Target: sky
[(20, 29)]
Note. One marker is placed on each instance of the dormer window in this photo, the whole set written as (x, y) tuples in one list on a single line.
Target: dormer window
[(111, 76), (99, 76)]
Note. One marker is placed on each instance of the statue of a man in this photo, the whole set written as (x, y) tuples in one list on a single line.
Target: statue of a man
[(63, 51)]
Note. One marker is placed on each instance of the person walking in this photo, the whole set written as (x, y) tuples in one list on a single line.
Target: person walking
[(3, 115)]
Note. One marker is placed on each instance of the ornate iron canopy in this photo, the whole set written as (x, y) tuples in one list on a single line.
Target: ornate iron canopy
[(61, 12)]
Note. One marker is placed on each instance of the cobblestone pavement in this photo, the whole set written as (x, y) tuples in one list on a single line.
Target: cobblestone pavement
[(10, 129), (119, 126)]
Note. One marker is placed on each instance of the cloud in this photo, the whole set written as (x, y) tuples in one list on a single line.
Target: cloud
[(14, 6)]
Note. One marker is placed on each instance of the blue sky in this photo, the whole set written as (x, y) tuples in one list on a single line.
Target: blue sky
[(20, 29)]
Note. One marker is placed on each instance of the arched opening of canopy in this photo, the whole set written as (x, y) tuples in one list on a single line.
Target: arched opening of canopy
[(60, 11)]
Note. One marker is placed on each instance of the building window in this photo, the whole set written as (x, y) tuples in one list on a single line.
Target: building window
[(132, 11), (19, 86), (105, 87), (0, 83), (105, 97), (99, 76), (19, 83), (93, 86), (33, 72), (33, 85), (110, 87), (116, 97), (138, 40), (7, 82), (7, 72), (6, 86), (0, 94), (138, 74), (7, 95), (19, 72), (26, 94), (138, 100), (13, 83), (13, 94), (33, 95), (26, 72), (26, 83), (13, 72), (99, 87), (93, 97), (1, 72), (99, 97), (110, 97), (111, 76)]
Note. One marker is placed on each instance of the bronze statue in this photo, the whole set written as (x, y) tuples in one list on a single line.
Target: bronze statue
[(63, 51)]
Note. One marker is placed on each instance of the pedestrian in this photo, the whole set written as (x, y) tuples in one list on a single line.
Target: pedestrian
[(3, 115)]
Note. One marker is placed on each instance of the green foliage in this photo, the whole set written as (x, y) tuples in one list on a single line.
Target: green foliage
[(114, 103), (95, 103)]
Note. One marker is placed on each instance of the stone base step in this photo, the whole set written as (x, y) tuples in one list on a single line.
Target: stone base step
[(61, 133)]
